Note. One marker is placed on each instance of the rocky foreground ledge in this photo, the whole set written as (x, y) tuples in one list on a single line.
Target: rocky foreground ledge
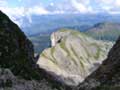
[(18, 70)]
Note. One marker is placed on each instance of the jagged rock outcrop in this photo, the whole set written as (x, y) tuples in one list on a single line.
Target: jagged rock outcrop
[(73, 56), (16, 51), (10, 82), (107, 76), (17, 66)]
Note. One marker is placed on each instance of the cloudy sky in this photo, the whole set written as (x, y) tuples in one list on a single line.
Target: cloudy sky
[(19, 8)]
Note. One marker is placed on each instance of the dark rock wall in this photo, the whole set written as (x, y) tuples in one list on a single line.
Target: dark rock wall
[(16, 51)]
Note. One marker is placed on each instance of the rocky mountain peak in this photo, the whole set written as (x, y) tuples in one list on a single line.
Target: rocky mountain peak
[(70, 60)]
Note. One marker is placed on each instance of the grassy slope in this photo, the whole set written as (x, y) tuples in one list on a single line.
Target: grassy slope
[(105, 31)]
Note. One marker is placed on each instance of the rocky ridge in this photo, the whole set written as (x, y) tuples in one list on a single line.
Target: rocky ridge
[(107, 76), (16, 51), (105, 31), (73, 56)]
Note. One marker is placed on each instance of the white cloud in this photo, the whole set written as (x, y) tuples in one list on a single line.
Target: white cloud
[(3, 3), (110, 6), (76, 6), (106, 8), (106, 1), (51, 4), (113, 12), (38, 10), (19, 0), (117, 3), (14, 13), (17, 13), (82, 7), (97, 6), (58, 12)]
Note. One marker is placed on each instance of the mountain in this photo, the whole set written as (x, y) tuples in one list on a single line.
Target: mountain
[(40, 24), (107, 76), (105, 31), (16, 51), (54, 22), (100, 31), (73, 56), (18, 70)]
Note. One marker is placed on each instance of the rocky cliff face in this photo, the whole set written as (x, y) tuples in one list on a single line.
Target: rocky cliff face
[(17, 67), (107, 76), (16, 51), (73, 56)]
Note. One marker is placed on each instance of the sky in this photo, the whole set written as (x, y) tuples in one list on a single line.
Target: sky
[(17, 9)]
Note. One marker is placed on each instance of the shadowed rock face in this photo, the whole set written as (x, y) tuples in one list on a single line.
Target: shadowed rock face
[(17, 67), (16, 51), (10, 82), (107, 76), (73, 56)]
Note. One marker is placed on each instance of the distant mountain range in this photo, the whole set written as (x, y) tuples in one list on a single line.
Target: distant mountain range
[(46, 24), (105, 31), (101, 26), (100, 31)]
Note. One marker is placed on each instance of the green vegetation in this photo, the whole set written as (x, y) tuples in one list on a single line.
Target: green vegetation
[(44, 55), (105, 31), (76, 52), (63, 30), (40, 42), (80, 59), (52, 54), (62, 45)]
